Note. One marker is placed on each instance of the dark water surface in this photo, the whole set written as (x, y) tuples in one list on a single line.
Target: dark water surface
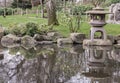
[(60, 64)]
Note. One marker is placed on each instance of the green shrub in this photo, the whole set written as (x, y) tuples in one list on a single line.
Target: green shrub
[(74, 24), (1, 11), (9, 11), (114, 1), (29, 28), (15, 29), (109, 2), (44, 29), (81, 9)]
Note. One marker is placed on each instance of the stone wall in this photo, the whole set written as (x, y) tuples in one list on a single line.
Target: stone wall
[(115, 16)]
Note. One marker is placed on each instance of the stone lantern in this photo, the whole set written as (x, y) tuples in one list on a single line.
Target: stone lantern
[(97, 16)]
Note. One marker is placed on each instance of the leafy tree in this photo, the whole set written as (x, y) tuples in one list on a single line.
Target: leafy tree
[(42, 2), (22, 4), (109, 2), (97, 2), (115, 1)]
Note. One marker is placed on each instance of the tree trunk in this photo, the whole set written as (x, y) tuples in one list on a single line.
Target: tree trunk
[(17, 6), (32, 4), (51, 12), (37, 12), (4, 15), (64, 6), (42, 8)]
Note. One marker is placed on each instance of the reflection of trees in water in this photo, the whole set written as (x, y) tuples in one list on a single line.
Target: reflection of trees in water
[(32, 52), (50, 64), (113, 63), (36, 69), (68, 64)]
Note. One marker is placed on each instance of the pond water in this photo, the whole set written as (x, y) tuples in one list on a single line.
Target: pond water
[(60, 64)]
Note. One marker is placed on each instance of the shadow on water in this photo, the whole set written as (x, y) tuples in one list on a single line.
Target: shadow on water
[(59, 64)]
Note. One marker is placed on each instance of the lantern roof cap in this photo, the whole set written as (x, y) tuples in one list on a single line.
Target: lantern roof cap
[(98, 10)]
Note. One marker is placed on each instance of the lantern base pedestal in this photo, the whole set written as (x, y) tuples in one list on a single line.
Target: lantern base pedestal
[(97, 42)]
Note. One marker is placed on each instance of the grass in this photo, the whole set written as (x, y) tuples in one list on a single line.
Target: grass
[(113, 29), (21, 19)]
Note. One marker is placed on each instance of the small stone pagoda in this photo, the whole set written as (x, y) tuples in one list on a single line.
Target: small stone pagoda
[(97, 16)]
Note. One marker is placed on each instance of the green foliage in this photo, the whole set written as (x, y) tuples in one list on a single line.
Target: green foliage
[(44, 29), (80, 9), (109, 2), (73, 22), (1, 11), (63, 19), (74, 25), (59, 4), (31, 28), (21, 4), (96, 3), (114, 1), (9, 11), (15, 29)]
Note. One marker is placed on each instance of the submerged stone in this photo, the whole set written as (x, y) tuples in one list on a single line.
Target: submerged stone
[(28, 42), (77, 37), (10, 40), (54, 35), (118, 39), (76, 49), (50, 36), (39, 37), (64, 41), (45, 42), (117, 45), (111, 38)]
